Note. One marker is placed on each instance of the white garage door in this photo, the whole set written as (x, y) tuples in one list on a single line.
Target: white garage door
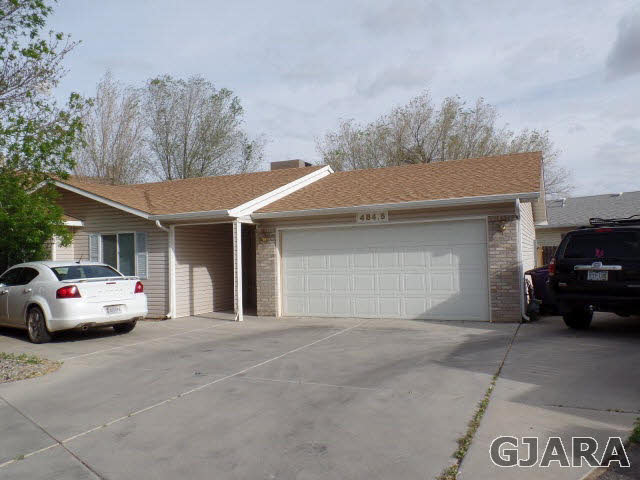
[(423, 270)]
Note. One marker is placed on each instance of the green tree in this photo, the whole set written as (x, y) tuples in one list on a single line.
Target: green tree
[(36, 137)]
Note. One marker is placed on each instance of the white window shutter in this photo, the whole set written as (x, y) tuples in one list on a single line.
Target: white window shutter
[(142, 262), (94, 247)]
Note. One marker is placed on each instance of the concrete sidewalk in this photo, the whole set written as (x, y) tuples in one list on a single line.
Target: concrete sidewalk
[(558, 382)]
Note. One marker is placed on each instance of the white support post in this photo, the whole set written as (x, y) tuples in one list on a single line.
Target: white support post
[(237, 269), (172, 271)]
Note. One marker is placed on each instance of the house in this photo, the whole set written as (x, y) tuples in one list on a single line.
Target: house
[(566, 214), (447, 240)]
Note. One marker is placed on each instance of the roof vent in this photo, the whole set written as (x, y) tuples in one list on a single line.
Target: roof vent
[(614, 195), (295, 163)]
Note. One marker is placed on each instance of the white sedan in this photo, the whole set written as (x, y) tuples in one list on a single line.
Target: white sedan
[(46, 297)]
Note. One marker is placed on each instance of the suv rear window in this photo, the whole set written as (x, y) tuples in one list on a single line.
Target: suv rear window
[(603, 245), (73, 272)]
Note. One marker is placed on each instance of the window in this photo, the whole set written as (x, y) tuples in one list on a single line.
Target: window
[(619, 244), (28, 274), (12, 277), (73, 272), (18, 276), (126, 252)]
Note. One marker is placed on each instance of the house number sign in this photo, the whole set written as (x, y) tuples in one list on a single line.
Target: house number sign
[(372, 217)]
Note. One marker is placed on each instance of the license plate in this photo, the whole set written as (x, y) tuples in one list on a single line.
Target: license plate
[(113, 309), (597, 276)]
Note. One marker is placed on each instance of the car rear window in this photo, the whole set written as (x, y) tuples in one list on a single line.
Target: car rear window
[(73, 272), (624, 245)]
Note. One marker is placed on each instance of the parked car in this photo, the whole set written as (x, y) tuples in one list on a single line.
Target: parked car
[(46, 297), (597, 268), (540, 302)]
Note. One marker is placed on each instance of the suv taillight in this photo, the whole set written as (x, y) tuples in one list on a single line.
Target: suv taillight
[(139, 287), (70, 291), (552, 267)]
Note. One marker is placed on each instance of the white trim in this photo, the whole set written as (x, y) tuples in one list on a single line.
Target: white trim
[(391, 222), (263, 200), (488, 239), (172, 271), (100, 199), (54, 248), (280, 230), (188, 215), (279, 288), (74, 223), (237, 257), (401, 205), (523, 307)]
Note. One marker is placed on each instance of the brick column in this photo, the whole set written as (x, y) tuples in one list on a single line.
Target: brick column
[(504, 281), (266, 282)]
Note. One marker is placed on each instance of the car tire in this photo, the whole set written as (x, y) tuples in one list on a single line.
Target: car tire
[(578, 319), (124, 327), (37, 327)]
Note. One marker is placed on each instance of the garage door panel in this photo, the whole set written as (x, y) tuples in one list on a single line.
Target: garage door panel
[(364, 283), (318, 283), (389, 283), (340, 306), (443, 282), (431, 270), (413, 257), (294, 283), (390, 307), (365, 306)]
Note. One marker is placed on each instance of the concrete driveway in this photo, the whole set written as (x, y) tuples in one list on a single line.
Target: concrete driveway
[(295, 398)]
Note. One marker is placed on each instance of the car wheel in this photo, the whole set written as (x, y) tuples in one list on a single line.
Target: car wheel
[(124, 327), (36, 326), (578, 319)]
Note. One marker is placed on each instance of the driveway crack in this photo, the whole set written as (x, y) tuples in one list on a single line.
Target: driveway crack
[(58, 443)]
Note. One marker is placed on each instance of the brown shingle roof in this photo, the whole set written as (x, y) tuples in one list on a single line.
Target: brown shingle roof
[(504, 174), (194, 194)]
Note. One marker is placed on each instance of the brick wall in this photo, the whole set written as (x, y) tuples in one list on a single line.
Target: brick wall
[(504, 277), (266, 285)]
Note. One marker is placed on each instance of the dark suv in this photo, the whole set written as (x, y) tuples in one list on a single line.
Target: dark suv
[(597, 268)]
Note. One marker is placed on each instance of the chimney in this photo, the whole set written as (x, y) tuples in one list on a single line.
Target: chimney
[(295, 163)]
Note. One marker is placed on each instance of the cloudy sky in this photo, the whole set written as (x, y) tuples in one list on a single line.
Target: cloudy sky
[(572, 67)]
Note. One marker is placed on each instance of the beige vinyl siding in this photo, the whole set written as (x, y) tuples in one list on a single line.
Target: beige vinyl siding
[(204, 269), (550, 237), (528, 233), (65, 254), (101, 218)]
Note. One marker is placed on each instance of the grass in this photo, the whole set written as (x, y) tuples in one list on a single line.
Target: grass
[(22, 358), (464, 442), (635, 435), (15, 366)]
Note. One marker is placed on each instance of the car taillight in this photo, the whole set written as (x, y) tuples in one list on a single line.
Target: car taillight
[(552, 267), (139, 287), (70, 291)]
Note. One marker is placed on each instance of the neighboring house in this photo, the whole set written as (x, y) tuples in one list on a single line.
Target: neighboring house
[(566, 214), (447, 240)]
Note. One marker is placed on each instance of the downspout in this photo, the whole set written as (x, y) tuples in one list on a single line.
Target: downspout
[(523, 307), (172, 267)]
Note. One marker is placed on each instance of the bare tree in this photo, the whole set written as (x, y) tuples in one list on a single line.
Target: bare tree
[(419, 132), (113, 146), (195, 130)]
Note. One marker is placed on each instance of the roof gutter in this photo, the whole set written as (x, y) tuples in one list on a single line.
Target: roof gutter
[(209, 214), (446, 202)]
